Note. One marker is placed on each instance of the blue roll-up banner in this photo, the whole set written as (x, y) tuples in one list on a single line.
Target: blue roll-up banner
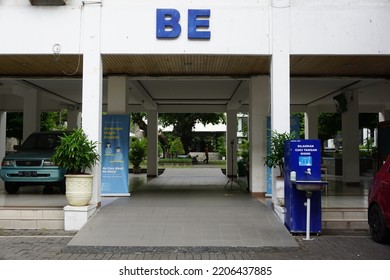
[(115, 155)]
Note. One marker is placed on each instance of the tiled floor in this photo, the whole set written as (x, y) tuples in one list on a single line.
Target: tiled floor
[(337, 194), (185, 207)]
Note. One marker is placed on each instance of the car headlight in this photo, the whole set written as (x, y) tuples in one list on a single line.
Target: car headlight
[(7, 163), (47, 162)]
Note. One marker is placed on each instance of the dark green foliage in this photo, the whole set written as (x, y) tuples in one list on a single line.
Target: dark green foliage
[(76, 152), (221, 146), (15, 125), (137, 151), (244, 151), (329, 124), (275, 155)]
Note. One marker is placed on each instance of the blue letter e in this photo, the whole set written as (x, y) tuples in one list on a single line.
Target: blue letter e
[(198, 19), (167, 23)]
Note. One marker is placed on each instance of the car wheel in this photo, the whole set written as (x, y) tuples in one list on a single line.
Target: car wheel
[(11, 188), (378, 230)]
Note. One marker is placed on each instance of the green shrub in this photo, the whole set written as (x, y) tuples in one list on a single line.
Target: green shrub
[(221, 146), (176, 147), (137, 151), (275, 155)]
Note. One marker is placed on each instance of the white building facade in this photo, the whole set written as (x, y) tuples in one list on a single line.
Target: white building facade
[(263, 57)]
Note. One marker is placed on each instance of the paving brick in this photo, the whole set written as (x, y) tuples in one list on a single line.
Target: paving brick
[(351, 245)]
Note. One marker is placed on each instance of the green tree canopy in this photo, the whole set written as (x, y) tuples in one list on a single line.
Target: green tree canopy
[(329, 124), (15, 125), (49, 121), (183, 123)]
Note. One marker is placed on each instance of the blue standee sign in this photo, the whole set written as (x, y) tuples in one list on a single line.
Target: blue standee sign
[(115, 155)]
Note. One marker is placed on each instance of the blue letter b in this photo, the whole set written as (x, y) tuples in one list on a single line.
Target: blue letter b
[(167, 23)]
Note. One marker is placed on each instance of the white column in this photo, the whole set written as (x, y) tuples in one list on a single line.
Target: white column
[(73, 119), (384, 116), (31, 112), (280, 66), (92, 86), (31, 109), (280, 72), (311, 123), (381, 117), (117, 95), (152, 152), (3, 138), (258, 109), (231, 138), (351, 134)]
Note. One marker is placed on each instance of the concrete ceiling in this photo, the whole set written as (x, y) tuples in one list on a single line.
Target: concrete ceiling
[(195, 80)]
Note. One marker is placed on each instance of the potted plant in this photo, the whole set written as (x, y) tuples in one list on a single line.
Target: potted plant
[(275, 159), (76, 153), (137, 153)]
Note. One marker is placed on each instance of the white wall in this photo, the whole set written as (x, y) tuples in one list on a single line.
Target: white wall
[(340, 27), (35, 30), (237, 27), (130, 27)]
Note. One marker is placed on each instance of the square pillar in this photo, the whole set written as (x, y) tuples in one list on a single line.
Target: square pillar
[(384, 116), (75, 217), (280, 67), (351, 139), (152, 152), (31, 109), (311, 123), (117, 95), (92, 86), (258, 109), (74, 119), (280, 72)]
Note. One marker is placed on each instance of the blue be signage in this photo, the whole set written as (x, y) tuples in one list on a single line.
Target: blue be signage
[(168, 24)]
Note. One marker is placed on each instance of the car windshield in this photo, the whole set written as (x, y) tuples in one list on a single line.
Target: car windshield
[(41, 142)]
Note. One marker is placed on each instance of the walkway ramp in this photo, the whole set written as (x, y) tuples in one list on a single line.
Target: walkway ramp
[(183, 208)]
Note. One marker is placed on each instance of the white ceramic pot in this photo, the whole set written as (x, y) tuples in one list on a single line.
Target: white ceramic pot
[(79, 189)]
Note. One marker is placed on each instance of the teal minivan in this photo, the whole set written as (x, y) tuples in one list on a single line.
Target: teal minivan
[(31, 164)]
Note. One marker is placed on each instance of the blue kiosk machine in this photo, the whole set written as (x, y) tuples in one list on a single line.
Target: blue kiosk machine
[(303, 186)]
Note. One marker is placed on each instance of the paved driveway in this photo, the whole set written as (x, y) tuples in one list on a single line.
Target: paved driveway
[(185, 208)]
